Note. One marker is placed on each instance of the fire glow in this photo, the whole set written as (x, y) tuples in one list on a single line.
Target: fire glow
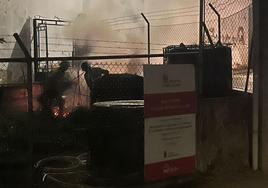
[(58, 114)]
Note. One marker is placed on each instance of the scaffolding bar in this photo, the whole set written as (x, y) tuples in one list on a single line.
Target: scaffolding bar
[(132, 56)]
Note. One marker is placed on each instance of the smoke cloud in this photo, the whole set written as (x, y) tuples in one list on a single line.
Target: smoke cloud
[(93, 26)]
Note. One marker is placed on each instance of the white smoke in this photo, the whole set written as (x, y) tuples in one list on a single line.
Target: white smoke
[(93, 26)]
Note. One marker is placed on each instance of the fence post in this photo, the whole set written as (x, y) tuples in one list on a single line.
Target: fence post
[(257, 90), (219, 23), (30, 101), (47, 63), (149, 36), (35, 40), (199, 77), (29, 72)]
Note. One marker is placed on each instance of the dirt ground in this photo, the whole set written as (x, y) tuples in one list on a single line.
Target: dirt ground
[(242, 179)]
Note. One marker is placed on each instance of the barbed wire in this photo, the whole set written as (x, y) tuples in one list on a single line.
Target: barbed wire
[(99, 40), (179, 24), (128, 28), (92, 52), (138, 15), (246, 8), (154, 16), (164, 34), (108, 47)]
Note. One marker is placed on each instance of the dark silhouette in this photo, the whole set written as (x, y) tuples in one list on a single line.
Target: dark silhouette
[(105, 86), (92, 73), (54, 87)]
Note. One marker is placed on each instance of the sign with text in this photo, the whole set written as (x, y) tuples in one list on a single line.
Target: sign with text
[(169, 111)]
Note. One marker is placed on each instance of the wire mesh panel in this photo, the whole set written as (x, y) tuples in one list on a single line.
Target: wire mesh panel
[(235, 32), (11, 73), (128, 35), (117, 80), (111, 80), (120, 67)]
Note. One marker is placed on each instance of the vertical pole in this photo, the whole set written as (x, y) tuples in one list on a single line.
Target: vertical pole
[(201, 47), (219, 23), (219, 27), (73, 65), (201, 21), (73, 52), (257, 90), (91, 87), (149, 43), (79, 88), (148, 37), (47, 64), (29, 72), (30, 100), (250, 46), (249, 65), (35, 39)]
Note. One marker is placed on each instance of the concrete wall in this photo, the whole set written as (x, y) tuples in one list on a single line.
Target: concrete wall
[(15, 17), (223, 126), (14, 13)]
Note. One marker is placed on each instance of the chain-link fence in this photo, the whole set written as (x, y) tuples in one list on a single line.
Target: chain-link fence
[(112, 79), (235, 33), (9, 49), (128, 35)]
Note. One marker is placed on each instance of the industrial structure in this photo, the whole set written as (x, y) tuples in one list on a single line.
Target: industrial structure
[(100, 104)]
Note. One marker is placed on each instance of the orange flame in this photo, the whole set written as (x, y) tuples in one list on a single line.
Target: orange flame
[(57, 114)]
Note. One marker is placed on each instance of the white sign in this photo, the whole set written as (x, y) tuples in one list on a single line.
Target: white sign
[(169, 109)]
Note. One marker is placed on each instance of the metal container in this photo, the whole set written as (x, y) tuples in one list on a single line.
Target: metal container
[(55, 165), (116, 140), (14, 98), (58, 164), (65, 180), (216, 71)]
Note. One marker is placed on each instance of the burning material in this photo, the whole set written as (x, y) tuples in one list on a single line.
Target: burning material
[(56, 112), (52, 99)]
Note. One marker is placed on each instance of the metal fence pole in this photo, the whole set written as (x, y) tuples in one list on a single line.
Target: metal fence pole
[(257, 91), (47, 63), (30, 102), (131, 56), (201, 48), (29, 72), (219, 23), (148, 35), (35, 40)]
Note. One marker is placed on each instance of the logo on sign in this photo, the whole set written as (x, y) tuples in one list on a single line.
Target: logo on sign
[(167, 169), (168, 82)]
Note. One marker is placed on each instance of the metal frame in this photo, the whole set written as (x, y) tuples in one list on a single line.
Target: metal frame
[(257, 91), (219, 23), (131, 56), (148, 36), (28, 59), (199, 77), (41, 24), (29, 72)]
